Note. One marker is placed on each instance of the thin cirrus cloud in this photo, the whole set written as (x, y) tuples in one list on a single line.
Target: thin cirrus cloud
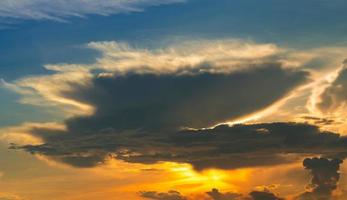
[(60, 10)]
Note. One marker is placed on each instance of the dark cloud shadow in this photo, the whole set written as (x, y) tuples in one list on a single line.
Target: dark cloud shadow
[(224, 147), (189, 99)]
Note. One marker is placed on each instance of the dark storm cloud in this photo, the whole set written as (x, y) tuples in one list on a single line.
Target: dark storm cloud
[(191, 99), (336, 94), (171, 195), (222, 147), (325, 176)]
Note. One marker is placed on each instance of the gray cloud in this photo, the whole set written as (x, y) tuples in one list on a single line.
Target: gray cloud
[(216, 195), (59, 10), (264, 195), (221, 147), (192, 99), (325, 176), (171, 195)]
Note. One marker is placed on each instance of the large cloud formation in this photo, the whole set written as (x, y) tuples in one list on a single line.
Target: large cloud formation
[(155, 107), (140, 107), (152, 106), (194, 100), (59, 10)]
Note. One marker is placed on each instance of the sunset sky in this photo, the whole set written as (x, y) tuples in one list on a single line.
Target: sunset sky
[(173, 100)]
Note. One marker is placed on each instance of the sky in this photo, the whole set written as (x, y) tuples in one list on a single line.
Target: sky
[(173, 100)]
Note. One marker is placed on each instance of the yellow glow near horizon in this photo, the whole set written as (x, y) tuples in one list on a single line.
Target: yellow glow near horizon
[(184, 178), (191, 180)]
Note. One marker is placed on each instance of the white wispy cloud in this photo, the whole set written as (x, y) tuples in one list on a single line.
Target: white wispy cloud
[(60, 10)]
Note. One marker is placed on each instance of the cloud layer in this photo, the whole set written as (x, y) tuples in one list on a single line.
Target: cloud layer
[(214, 194), (222, 147)]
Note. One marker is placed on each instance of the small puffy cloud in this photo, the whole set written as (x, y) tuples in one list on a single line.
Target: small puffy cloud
[(171, 195), (59, 10), (215, 194), (264, 195)]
